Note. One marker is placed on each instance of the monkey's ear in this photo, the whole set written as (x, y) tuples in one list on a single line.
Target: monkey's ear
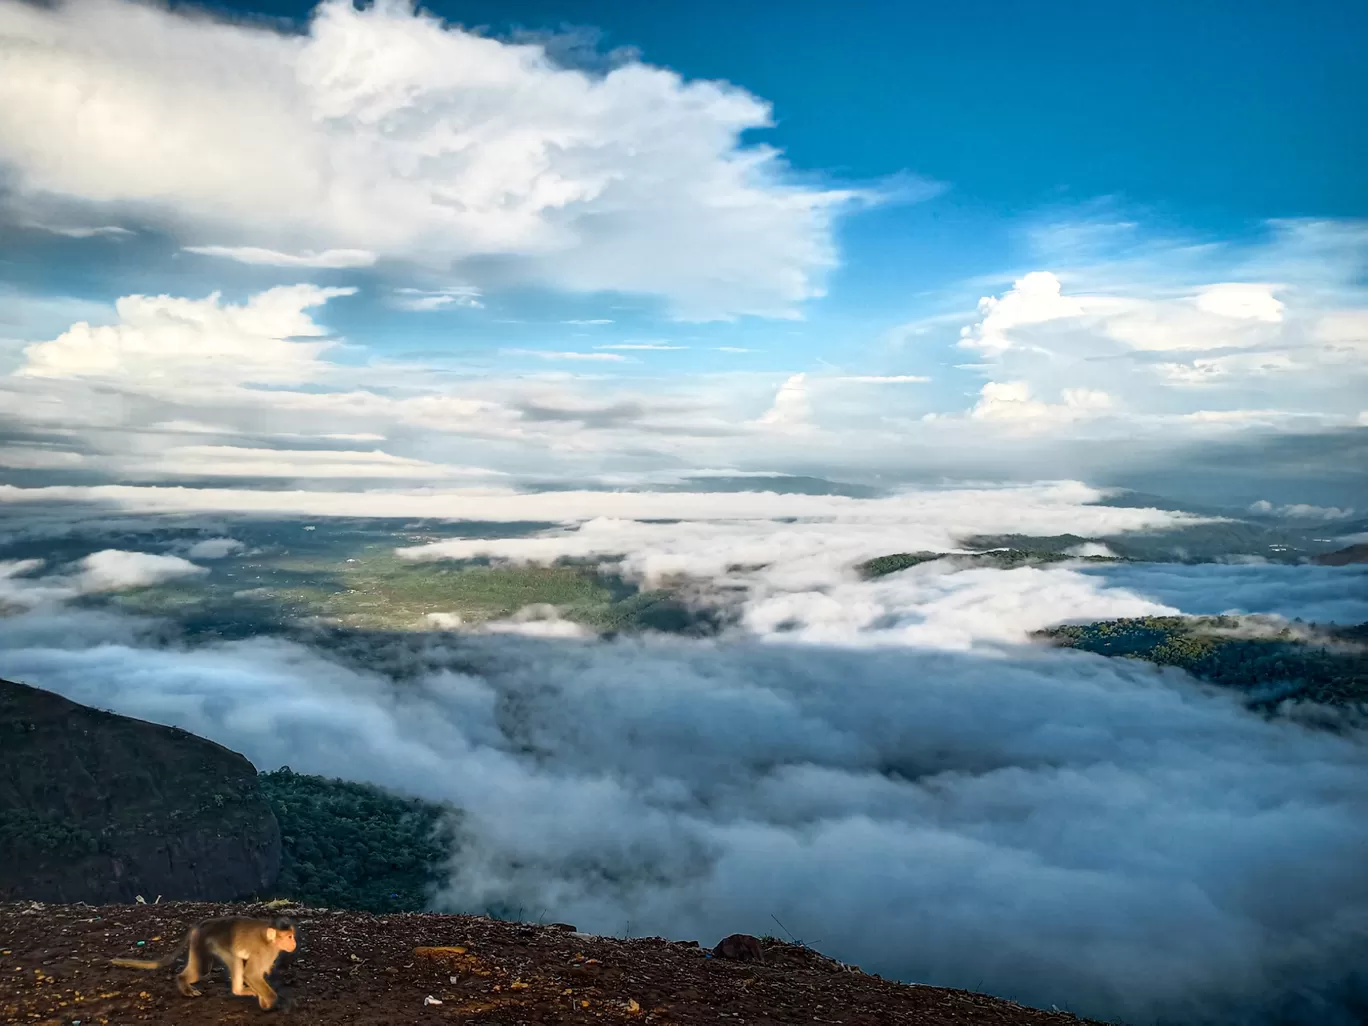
[(270, 933)]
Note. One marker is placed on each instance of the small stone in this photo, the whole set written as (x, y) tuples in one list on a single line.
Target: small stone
[(430, 1000)]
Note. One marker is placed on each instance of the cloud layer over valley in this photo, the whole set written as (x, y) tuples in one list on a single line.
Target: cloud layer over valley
[(888, 767)]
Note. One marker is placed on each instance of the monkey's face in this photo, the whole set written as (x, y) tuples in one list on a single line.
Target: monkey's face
[(285, 940)]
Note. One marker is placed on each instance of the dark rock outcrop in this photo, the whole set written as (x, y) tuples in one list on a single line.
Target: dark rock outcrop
[(99, 808), (1343, 557)]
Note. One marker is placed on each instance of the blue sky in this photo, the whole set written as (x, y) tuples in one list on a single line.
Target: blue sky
[(593, 209)]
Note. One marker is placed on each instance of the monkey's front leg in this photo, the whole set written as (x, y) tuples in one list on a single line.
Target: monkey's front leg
[(238, 968), (254, 972)]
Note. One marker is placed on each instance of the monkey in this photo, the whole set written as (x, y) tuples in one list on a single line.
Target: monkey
[(741, 947), (248, 948)]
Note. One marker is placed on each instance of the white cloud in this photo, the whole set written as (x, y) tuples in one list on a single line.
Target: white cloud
[(1090, 549), (1034, 299), (108, 570), (421, 300), (190, 461), (1011, 401), (549, 354), (163, 339), (1042, 509), (884, 379), (719, 531), (109, 231), (1300, 510), (918, 795), (1244, 301), (33, 457), (385, 131), (642, 346), (1140, 314), (330, 258), (214, 548), (594, 320), (116, 570), (792, 408)]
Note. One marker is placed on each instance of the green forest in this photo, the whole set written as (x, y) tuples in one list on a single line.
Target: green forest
[(355, 846), (1325, 665)]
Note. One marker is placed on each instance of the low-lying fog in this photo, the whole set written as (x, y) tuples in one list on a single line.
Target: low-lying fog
[(889, 768)]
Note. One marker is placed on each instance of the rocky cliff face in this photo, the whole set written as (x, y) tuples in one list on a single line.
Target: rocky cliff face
[(101, 808)]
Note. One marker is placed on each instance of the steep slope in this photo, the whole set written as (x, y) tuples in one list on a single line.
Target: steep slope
[(96, 807), (367, 970)]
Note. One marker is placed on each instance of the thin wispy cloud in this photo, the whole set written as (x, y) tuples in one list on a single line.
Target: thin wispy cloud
[(424, 300), (554, 354), (81, 232), (328, 258), (884, 379), (643, 346)]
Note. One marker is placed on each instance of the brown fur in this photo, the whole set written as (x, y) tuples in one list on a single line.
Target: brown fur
[(248, 949), (741, 947)]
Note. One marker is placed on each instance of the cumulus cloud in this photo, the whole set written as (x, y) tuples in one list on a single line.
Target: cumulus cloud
[(791, 409), (108, 570), (97, 399), (1035, 299), (115, 570), (1012, 401), (385, 131), (1187, 348), (187, 341), (214, 548), (1242, 301)]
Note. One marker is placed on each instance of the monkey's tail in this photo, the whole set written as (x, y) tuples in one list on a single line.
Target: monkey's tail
[(162, 963)]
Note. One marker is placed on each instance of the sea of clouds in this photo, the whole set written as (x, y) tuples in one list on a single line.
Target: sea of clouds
[(889, 768)]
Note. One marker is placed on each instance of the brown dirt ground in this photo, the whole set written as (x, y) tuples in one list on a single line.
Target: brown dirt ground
[(361, 969)]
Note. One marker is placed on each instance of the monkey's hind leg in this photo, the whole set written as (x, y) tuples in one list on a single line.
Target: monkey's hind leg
[(196, 961)]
